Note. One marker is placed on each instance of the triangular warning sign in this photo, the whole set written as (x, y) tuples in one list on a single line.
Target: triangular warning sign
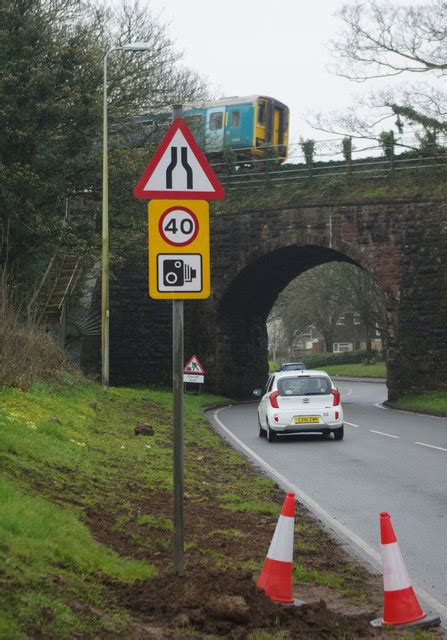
[(179, 170), (194, 366)]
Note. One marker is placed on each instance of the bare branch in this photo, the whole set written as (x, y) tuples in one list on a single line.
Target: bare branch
[(384, 40)]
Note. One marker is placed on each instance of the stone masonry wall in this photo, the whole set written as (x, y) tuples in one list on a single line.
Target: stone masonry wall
[(255, 255)]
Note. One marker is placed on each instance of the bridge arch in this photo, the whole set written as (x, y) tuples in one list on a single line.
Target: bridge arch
[(246, 302)]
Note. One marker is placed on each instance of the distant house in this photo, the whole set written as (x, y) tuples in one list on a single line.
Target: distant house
[(349, 336)]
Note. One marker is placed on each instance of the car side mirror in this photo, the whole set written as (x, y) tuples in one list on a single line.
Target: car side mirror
[(257, 393)]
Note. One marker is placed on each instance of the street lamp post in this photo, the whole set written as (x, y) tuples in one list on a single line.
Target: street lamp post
[(105, 314)]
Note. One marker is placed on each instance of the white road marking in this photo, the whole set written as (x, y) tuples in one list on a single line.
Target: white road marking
[(432, 446), (351, 424), (381, 433), (329, 520), (379, 405)]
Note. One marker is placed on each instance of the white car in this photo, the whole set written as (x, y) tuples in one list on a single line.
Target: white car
[(299, 402)]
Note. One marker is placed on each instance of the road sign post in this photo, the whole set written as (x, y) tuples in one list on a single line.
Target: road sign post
[(178, 426), (178, 420), (180, 180)]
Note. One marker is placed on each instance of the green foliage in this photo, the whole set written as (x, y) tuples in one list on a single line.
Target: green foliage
[(51, 55), (308, 149), (49, 117), (388, 143), (432, 127), (318, 360), (230, 159)]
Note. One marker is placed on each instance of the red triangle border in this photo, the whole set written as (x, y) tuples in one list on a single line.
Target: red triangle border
[(141, 194), (202, 370)]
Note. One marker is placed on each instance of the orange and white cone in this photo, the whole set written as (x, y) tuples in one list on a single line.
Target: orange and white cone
[(400, 605), (276, 575)]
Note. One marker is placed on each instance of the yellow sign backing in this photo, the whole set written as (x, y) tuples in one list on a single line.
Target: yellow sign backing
[(179, 249)]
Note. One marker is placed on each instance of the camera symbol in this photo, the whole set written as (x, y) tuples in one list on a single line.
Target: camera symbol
[(176, 273)]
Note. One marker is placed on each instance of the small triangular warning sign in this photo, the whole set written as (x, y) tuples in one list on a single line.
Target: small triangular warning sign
[(179, 170), (194, 366)]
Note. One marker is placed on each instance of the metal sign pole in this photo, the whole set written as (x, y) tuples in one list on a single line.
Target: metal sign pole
[(179, 262), (177, 389)]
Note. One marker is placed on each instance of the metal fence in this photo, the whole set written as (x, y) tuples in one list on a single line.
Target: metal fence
[(326, 164)]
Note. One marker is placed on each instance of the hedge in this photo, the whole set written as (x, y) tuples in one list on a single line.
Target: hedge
[(317, 360)]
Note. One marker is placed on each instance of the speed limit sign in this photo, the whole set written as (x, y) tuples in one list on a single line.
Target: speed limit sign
[(178, 226)]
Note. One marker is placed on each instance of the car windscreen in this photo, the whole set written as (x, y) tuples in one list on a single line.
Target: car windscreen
[(293, 367), (304, 386)]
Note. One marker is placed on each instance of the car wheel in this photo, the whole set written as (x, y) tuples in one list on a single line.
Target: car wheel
[(262, 432), (271, 435), (338, 435)]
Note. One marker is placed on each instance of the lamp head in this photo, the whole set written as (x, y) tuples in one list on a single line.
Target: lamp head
[(136, 46)]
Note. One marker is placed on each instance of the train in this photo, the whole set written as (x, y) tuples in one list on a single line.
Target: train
[(251, 127), (246, 125)]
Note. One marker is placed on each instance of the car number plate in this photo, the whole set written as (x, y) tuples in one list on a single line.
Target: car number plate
[(306, 419)]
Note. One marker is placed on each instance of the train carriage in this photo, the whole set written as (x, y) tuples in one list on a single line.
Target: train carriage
[(248, 126)]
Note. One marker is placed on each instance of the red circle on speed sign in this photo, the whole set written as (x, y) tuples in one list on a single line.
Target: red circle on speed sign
[(178, 226)]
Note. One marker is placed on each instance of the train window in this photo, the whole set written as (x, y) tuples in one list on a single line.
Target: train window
[(261, 111), (235, 119), (216, 120)]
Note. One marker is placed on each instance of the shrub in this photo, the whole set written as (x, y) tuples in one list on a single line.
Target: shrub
[(27, 354), (317, 360)]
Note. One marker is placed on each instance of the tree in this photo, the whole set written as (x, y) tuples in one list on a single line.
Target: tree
[(321, 295), (313, 298), (51, 61), (47, 117), (383, 40), (364, 296)]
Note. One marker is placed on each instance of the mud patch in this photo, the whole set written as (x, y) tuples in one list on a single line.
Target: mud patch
[(229, 604)]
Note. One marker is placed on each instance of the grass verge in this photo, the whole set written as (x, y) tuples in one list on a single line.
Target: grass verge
[(354, 370), (374, 370), (433, 403), (86, 524)]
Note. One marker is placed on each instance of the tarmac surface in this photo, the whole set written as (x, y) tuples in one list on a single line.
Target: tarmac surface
[(389, 460)]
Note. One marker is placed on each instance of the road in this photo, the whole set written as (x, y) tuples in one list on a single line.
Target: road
[(388, 461)]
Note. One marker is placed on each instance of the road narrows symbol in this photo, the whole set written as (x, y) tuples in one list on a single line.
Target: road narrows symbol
[(189, 182), (170, 168)]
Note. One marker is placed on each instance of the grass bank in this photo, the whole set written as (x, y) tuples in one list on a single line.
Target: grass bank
[(360, 370), (354, 370), (86, 528), (434, 403)]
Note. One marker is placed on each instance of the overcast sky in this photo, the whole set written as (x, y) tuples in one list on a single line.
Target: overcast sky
[(275, 48)]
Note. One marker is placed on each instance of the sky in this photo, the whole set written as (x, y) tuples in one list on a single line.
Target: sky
[(277, 48)]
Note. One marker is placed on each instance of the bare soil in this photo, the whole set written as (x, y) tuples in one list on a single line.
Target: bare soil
[(211, 602)]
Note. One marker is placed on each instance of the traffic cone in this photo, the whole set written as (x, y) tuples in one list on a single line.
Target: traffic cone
[(400, 605), (276, 575)]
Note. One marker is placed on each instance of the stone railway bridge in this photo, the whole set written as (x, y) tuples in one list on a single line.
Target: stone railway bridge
[(255, 254)]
